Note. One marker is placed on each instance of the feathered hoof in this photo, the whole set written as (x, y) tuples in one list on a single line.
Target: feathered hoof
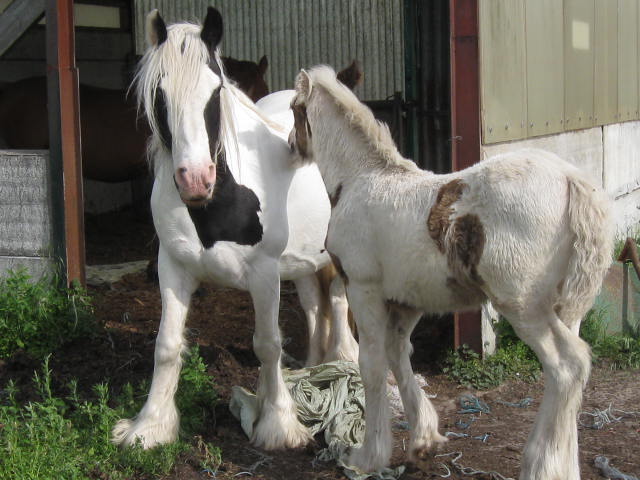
[(279, 429), (127, 433), (421, 449), (368, 460)]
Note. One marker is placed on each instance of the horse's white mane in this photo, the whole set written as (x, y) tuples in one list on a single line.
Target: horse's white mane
[(179, 60), (359, 117)]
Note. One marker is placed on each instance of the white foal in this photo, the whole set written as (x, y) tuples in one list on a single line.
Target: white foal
[(228, 209), (525, 230)]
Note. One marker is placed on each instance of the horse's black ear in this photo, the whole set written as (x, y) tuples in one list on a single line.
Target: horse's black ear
[(263, 63), (212, 29), (156, 29)]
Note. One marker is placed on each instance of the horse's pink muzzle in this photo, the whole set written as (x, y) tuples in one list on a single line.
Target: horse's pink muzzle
[(195, 185)]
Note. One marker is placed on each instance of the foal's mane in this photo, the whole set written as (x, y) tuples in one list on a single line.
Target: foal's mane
[(359, 117), (180, 59)]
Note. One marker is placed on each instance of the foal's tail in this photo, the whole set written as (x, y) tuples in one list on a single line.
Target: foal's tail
[(591, 223)]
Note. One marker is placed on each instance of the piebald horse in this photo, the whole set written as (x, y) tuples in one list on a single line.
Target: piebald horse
[(524, 230), (229, 209)]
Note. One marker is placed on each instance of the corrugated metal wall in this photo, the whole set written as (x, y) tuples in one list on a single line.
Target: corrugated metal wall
[(296, 34)]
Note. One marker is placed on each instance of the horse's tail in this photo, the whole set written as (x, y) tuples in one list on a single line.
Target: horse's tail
[(591, 223)]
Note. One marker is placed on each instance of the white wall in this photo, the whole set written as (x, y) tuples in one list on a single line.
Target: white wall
[(609, 154)]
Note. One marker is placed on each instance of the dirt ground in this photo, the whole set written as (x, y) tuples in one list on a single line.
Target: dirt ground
[(221, 322)]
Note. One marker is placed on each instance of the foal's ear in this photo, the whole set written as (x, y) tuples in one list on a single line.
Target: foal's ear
[(212, 29), (156, 29), (303, 83)]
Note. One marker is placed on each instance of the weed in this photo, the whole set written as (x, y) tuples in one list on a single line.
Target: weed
[(37, 316), (619, 351), (69, 437), (514, 359)]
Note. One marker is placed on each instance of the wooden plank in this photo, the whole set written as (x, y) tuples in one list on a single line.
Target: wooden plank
[(503, 74), (24, 204), (579, 63), (627, 60), (606, 63), (545, 66), (18, 16)]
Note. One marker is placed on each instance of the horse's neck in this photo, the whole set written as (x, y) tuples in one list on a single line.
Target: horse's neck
[(254, 152)]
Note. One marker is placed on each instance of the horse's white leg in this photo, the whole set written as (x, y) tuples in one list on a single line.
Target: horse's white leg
[(551, 452), (371, 318), (158, 421), (420, 413), (309, 293), (278, 425), (342, 345)]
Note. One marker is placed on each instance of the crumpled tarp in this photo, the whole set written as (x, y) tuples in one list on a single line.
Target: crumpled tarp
[(330, 398)]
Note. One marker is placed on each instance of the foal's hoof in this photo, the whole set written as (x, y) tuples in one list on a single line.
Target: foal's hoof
[(422, 449)]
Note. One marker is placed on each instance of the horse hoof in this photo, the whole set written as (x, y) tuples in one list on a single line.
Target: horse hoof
[(128, 433)]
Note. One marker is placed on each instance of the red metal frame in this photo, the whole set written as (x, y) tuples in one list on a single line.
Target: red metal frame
[(465, 125), (61, 70)]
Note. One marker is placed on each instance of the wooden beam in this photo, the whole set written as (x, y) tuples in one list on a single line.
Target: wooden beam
[(465, 126), (64, 139), (14, 21)]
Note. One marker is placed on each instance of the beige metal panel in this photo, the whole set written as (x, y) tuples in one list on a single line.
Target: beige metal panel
[(579, 37), (606, 62), (502, 70), (545, 66), (627, 60)]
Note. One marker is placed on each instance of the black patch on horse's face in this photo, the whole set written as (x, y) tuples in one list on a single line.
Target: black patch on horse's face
[(212, 122), (161, 114), (231, 215)]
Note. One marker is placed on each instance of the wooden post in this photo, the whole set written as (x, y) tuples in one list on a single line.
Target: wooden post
[(465, 125), (64, 139)]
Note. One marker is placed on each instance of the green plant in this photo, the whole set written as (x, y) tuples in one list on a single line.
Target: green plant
[(196, 393), (37, 316), (511, 362), (54, 437), (619, 351)]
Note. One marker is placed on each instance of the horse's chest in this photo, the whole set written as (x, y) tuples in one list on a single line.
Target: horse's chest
[(232, 215)]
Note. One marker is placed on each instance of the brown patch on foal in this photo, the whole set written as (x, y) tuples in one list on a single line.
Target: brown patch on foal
[(438, 222), (467, 240)]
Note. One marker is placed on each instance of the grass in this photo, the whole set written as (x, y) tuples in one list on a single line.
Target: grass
[(61, 434), (68, 437), (37, 316), (513, 359)]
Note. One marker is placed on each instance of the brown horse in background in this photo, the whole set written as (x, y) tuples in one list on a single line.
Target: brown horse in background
[(113, 139)]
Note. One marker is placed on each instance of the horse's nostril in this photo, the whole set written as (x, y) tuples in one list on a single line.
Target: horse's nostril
[(182, 170)]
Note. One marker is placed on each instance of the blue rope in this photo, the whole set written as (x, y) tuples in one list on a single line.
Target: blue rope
[(472, 404)]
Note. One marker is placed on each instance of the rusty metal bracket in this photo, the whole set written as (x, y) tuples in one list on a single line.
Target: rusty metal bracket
[(630, 254)]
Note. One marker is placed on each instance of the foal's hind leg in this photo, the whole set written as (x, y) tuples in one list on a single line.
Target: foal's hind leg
[(310, 295), (278, 425), (158, 421), (551, 452), (421, 415)]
